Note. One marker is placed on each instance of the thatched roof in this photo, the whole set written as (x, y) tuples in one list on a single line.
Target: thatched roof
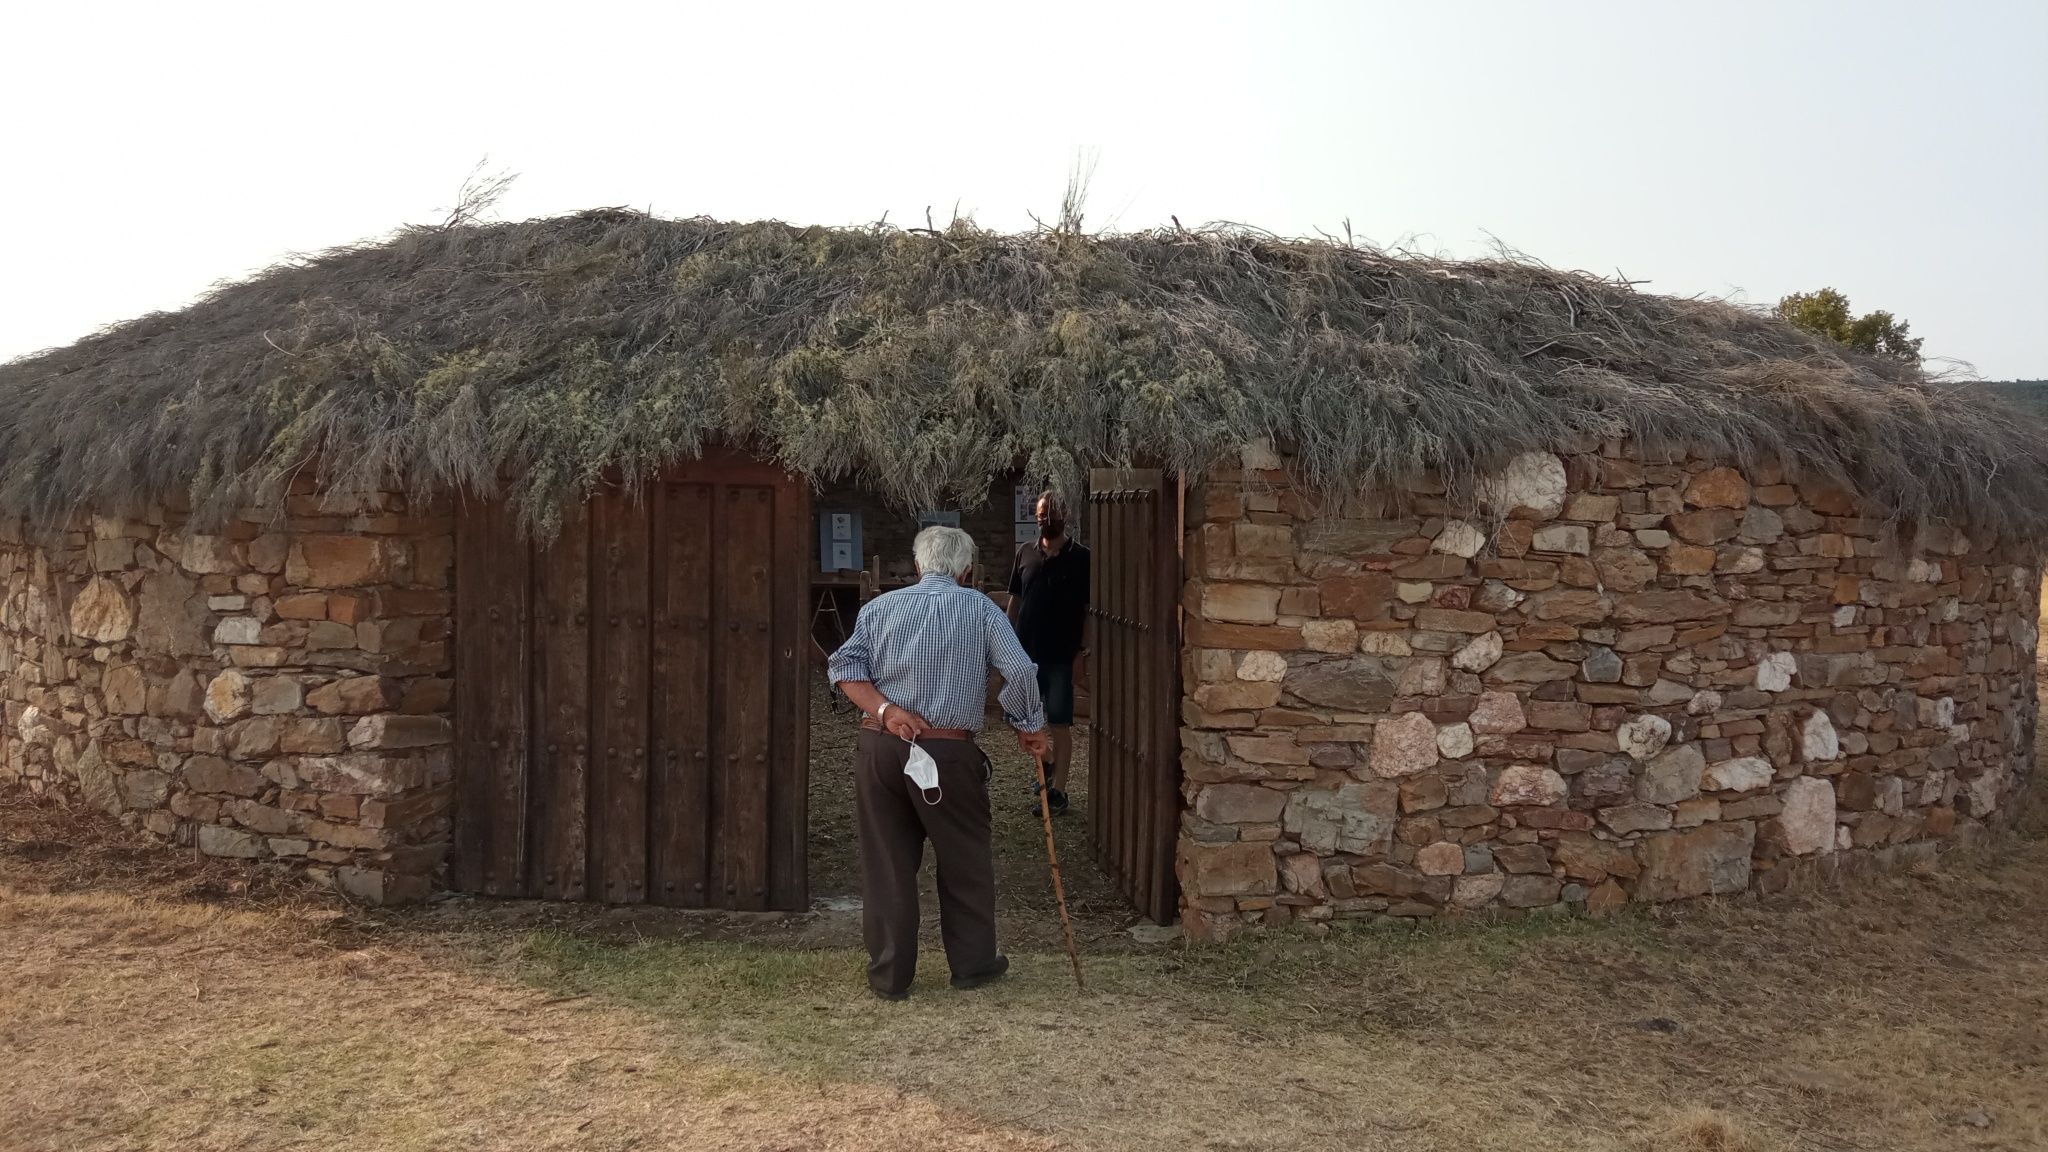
[(552, 351)]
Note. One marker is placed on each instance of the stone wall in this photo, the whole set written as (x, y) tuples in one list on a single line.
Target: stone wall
[(277, 691), (1617, 680)]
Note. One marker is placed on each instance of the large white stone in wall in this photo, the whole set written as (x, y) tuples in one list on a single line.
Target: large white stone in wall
[(238, 630), (1644, 736), (1817, 740), (1534, 481), (1330, 635), (1262, 666), (1479, 655), (1454, 741), (1384, 644), (1744, 774), (32, 726), (1459, 539), (1774, 672), (1806, 823)]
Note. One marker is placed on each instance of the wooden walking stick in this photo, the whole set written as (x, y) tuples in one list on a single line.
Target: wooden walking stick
[(1059, 889)]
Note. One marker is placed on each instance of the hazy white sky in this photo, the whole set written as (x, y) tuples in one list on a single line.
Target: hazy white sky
[(1898, 152)]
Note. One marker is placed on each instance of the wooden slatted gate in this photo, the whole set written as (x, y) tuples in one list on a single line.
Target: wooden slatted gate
[(631, 709), (1134, 747)]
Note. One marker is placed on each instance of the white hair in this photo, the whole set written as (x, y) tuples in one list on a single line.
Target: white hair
[(944, 550)]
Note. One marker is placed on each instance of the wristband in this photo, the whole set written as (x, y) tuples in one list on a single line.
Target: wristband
[(881, 712)]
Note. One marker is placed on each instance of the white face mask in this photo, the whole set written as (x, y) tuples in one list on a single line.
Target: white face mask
[(924, 772)]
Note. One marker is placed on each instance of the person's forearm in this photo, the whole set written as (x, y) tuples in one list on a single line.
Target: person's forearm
[(865, 696)]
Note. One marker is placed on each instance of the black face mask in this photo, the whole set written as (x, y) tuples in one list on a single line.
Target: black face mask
[(1052, 529)]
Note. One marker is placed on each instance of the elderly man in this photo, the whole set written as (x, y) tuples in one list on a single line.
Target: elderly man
[(917, 666)]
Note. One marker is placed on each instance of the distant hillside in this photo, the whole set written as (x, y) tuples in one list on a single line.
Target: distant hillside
[(2029, 394)]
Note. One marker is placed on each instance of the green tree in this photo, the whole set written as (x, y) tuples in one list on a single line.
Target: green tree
[(1826, 313)]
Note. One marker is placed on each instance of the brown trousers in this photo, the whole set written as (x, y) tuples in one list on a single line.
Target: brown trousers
[(894, 822)]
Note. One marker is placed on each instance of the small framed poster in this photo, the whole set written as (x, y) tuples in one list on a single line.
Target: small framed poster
[(1025, 513), (838, 541)]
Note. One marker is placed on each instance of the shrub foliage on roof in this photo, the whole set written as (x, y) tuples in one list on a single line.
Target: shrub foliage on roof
[(547, 356)]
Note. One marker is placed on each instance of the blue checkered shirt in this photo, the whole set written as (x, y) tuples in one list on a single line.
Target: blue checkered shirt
[(929, 647)]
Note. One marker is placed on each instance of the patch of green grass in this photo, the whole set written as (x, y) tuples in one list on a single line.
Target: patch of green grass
[(814, 1001), (682, 973)]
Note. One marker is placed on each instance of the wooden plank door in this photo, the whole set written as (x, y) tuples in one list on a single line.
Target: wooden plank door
[(1134, 749), (632, 715)]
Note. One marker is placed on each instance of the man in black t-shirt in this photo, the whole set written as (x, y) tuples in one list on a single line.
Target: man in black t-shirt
[(1049, 609)]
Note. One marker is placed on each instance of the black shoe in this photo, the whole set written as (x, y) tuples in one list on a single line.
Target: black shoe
[(989, 976), (1055, 800), (892, 997)]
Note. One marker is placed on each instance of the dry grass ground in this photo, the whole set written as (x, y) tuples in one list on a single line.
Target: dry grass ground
[(149, 1000)]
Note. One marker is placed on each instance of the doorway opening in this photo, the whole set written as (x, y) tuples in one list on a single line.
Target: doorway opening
[(642, 714), (1115, 841)]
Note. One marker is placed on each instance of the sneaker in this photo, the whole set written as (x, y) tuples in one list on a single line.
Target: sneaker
[(992, 974)]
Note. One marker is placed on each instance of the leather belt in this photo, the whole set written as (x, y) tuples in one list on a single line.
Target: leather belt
[(872, 725)]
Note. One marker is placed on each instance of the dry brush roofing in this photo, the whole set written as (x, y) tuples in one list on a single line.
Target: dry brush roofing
[(547, 355)]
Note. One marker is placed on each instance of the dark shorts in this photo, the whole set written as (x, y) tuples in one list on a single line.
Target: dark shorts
[(1056, 688)]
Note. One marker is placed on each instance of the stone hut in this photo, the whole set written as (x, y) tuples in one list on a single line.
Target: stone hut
[(1453, 587)]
